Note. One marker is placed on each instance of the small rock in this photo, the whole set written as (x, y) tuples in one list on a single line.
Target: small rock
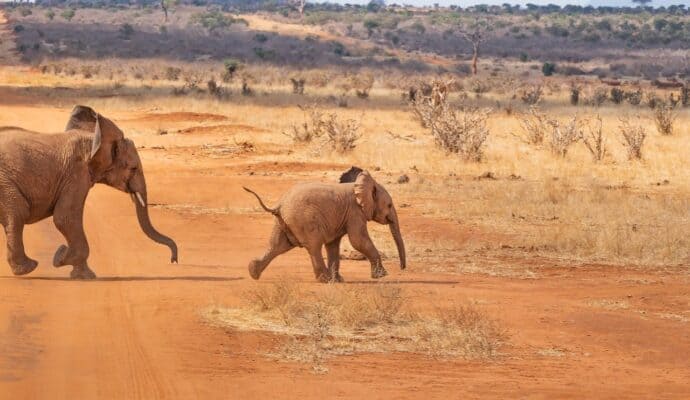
[(403, 179), (486, 175)]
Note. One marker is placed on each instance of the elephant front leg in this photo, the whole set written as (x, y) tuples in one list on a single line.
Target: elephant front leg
[(333, 252), (76, 252), (360, 240), (16, 257)]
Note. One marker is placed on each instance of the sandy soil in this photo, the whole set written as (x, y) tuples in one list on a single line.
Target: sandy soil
[(136, 332)]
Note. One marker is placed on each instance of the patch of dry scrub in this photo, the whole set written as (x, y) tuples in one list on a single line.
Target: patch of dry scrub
[(343, 319)]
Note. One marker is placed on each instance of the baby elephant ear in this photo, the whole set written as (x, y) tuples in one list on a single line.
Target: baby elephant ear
[(82, 118), (350, 175), (365, 192)]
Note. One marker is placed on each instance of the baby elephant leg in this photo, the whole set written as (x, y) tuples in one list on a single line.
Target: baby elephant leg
[(360, 240), (333, 251), (16, 257), (278, 244)]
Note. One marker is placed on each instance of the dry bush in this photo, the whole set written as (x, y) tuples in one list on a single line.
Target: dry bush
[(535, 125), (531, 95), (340, 135), (563, 135), (685, 95), (428, 100), (345, 320), (617, 95), (633, 137), (575, 90), (479, 87), (281, 297), (298, 85), (594, 139), (461, 132), (634, 98), (664, 116), (597, 97), (311, 128), (361, 83)]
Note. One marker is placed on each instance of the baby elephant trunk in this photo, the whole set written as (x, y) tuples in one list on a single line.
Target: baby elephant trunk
[(138, 187), (394, 226)]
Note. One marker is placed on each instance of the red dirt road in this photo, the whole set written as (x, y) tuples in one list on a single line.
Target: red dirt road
[(136, 332)]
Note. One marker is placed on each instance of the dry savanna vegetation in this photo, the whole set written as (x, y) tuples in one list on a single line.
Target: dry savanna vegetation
[(537, 157), (344, 320)]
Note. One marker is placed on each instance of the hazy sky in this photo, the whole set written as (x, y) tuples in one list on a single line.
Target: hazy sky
[(464, 3)]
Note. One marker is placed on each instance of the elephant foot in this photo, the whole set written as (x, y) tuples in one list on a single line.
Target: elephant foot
[(378, 272), (324, 277), (82, 273), (24, 268), (337, 278), (254, 270), (60, 256)]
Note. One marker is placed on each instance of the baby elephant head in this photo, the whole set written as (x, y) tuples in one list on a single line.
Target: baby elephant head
[(376, 204), (113, 160)]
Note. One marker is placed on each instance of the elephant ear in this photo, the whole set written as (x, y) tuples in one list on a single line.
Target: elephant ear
[(350, 175), (106, 135), (365, 192)]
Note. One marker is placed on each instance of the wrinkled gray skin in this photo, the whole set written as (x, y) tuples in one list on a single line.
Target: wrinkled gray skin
[(313, 215), (51, 174)]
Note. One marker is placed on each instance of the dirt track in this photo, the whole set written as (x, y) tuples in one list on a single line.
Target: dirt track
[(136, 331)]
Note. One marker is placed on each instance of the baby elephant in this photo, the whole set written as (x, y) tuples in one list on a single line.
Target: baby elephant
[(312, 215)]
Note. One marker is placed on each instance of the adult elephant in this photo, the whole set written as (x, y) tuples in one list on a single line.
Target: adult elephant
[(51, 174), (312, 215)]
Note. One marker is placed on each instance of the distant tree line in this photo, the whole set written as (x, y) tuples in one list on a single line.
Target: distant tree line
[(377, 6)]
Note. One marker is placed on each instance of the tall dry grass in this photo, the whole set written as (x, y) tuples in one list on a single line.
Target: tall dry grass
[(342, 319)]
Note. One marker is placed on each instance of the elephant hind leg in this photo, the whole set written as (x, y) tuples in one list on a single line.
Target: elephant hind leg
[(333, 252), (16, 257), (321, 272), (278, 244)]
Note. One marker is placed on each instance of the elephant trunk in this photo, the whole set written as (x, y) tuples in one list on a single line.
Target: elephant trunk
[(394, 226), (137, 186)]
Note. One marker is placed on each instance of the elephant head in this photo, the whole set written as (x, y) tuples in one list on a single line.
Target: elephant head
[(376, 204), (114, 161)]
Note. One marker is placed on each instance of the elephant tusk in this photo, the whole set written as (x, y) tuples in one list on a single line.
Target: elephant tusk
[(141, 199)]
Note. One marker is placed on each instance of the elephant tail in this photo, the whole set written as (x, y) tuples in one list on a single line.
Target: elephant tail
[(273, 211)]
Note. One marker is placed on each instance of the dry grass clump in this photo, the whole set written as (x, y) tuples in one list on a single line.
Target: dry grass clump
[(310, 129), (340, 135), (633, 137), (563, 135), (345, 320), (461, 132), (594, 139), (531, 95), (535, 126), (664, 116)]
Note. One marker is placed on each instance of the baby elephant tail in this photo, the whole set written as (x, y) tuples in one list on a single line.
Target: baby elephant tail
[(273, 211)]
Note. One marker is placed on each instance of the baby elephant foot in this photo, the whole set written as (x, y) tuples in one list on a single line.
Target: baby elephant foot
[(83, 273), (254, 270), (378, 272), (336, 277), (24, 267), (59, 257), (324, 277)]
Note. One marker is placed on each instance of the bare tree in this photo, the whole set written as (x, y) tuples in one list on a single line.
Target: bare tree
[(299, 5), (165, 5), (474, 36)]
